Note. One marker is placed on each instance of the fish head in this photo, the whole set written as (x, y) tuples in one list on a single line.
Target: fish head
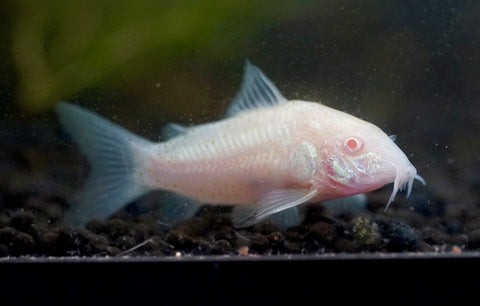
[(359, 157)]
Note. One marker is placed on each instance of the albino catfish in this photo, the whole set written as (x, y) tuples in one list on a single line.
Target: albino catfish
[(267, 156)]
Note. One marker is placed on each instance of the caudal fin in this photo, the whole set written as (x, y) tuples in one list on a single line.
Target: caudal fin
[(115, 157)]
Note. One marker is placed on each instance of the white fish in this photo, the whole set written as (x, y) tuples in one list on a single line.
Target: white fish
[(267, 156)]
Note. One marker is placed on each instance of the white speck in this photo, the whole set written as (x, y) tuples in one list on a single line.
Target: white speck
[(178, 254)]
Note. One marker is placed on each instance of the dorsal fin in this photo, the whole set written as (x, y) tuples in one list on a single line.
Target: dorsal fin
[(257, 91)]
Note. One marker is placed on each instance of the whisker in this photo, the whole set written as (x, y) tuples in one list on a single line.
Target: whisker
[(420, 179), (410, 185), (396, 182)]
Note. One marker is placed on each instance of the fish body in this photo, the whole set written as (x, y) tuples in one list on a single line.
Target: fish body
[(267, 156)]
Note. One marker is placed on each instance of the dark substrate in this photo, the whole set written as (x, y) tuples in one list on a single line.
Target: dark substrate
[(41, 175)]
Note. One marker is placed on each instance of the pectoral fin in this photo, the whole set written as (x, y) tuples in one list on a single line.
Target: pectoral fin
[(273, 202), (354, 204), (287, 218)]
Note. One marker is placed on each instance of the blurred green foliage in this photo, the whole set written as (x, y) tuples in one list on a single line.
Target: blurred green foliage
[(61, 47)]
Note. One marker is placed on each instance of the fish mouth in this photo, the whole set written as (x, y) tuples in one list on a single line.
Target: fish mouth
[(404, 181)]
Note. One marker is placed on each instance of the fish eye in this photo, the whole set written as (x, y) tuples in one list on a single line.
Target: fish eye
[(353, 144)]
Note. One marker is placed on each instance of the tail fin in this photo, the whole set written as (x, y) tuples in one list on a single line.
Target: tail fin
[(115, 157)]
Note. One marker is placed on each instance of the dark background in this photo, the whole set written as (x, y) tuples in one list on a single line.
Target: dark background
[(410, 67), (392, 281)]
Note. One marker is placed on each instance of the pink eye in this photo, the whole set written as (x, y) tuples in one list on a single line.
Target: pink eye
[(353, 144)]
